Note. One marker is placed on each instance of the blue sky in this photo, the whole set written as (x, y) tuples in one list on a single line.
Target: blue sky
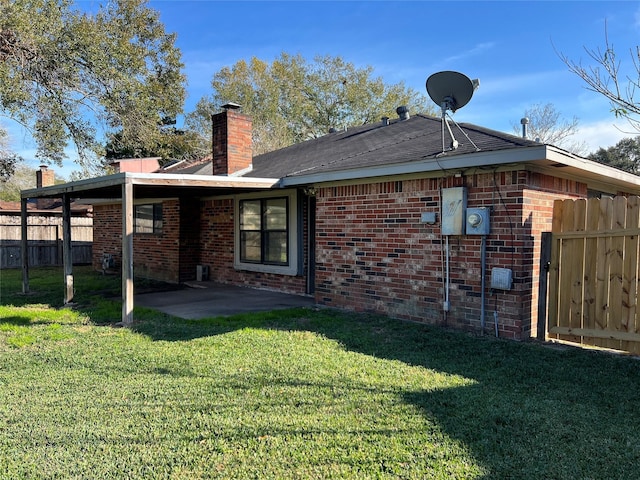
[(510, 46)]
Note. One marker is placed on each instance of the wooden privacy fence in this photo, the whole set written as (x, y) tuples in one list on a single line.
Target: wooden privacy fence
[(45, 245), (593, 273)]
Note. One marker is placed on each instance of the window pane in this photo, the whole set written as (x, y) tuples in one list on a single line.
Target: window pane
[(250, 215), (276, 247), (157, 218), (143, 220), (276, 214), (250, 246)]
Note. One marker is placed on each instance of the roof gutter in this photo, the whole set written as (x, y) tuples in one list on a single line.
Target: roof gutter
[(543, 155)]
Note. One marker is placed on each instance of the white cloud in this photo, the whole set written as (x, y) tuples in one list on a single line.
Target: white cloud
[(472, 52), (603, 134)]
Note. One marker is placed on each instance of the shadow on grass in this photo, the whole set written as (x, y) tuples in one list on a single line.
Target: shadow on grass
[(16, 320), (532, 411)]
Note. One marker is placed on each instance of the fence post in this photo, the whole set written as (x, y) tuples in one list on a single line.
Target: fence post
[(24, 245), (67, 259), (543, 280), (127, 252)]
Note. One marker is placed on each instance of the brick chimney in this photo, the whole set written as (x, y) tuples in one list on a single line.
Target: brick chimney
[(231, 141), (44, 178)]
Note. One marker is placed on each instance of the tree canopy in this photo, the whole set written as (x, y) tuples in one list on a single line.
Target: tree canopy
[(66, 74), (292, 100), (8, 159), (547, 126), (606, 79), (23, 177), (624, 155), (172, 143)]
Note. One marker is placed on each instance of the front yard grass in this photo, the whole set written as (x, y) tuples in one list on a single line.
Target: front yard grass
[(295, 394)]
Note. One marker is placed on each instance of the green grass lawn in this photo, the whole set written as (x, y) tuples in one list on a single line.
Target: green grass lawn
[(296, 394)]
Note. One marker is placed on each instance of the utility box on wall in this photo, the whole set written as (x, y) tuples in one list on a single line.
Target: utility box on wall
[(454, 205), (478, 221), (501, 278)]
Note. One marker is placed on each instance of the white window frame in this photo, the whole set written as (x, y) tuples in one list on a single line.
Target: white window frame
[(292, 267)]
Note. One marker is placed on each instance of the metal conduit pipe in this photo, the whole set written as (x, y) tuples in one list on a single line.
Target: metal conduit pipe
[(483, 267)]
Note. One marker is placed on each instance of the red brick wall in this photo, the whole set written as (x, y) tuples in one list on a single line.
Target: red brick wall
[(107, 234), (155, 256), (217, 252), (374, 253), (194, 232)]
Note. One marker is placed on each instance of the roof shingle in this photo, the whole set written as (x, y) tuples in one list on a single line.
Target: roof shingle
[(417, 138)]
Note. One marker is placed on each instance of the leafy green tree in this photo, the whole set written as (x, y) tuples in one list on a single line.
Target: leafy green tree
[(68, 75), (292, 100), (624, 155), (173, 144), (22, 178), (547, 126), (8, 159)]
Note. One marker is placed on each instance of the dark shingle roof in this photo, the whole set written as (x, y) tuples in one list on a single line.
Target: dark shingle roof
[(417, 138)]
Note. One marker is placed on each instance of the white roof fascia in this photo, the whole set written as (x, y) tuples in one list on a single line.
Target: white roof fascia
[(202, 180), (158, 179), (429, 164), (536, 154), (80, 185), (593, 169)]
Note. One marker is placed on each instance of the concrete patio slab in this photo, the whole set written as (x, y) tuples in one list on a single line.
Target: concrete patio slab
[(209, 299)]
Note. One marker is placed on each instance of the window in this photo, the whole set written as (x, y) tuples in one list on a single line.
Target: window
[(148, 218), (264, 232)]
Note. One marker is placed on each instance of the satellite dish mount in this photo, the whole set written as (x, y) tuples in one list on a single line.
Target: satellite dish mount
[(451, 91)]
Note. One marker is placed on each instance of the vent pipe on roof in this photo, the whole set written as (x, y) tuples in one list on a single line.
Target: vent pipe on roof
[(524, 122), (385, 121), (403, 112)]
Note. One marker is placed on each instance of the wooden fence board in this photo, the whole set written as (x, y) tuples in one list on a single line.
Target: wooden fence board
[(590, 267), (575, 255), (630, 272), (572, 251), (554, 267), (616, 272), (603, 266), (567, 309), (45, 244), (594, 272)]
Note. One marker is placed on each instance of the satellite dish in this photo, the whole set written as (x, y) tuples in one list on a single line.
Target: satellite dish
[(451, 91)]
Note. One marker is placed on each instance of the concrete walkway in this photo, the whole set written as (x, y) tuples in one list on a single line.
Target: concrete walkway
[(209, 299)]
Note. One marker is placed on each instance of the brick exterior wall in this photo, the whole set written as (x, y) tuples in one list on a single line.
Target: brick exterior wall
[(107, 234), (375, 255), (170, 256), (217, 252), (195, 232)]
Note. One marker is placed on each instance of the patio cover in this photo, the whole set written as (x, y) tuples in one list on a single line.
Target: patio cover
[(126, 187)]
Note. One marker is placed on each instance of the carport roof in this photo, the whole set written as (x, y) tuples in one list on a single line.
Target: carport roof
[(149, 185)]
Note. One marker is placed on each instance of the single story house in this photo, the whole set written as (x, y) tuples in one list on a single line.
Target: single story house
[(392, 217)]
